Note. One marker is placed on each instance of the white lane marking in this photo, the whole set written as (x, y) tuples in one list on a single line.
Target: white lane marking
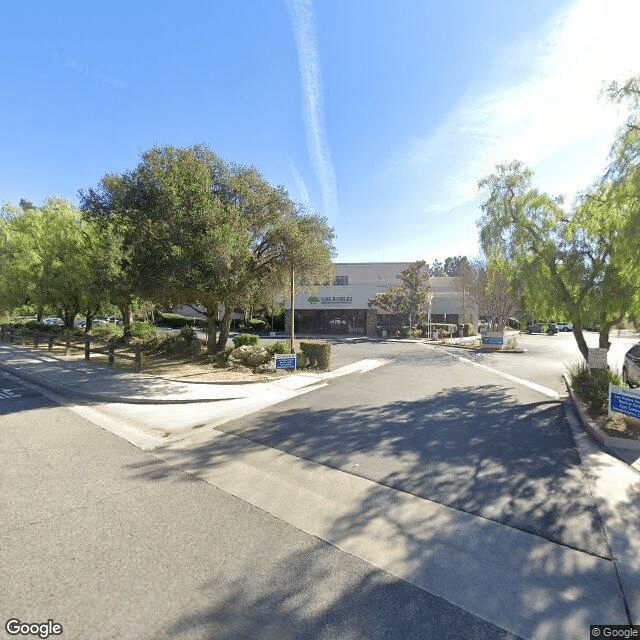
[(527, 383)]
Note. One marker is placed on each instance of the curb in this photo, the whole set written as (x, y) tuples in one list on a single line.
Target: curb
[(70, 392), (592, 428)]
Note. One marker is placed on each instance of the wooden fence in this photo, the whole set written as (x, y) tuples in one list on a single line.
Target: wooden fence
[(89, 344)]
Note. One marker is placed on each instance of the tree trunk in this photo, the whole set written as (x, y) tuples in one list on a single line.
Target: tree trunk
[(68, 317), (582, 343), (212, 315), (605, 329), (224, 327), (127, 315)]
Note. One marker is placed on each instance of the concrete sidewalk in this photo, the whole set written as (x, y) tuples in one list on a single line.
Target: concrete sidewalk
[(95, 382)]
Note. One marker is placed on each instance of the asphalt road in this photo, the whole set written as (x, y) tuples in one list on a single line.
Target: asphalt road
[(441, 429), (106, 551)]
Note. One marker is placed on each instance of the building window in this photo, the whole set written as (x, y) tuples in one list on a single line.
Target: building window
[(341, 281)]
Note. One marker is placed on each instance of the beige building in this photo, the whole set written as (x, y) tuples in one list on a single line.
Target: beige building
[(342, 307)]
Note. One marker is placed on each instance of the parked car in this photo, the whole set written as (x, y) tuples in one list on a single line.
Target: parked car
[(564, 326), (58, 322), (631, 366), (552, 329)]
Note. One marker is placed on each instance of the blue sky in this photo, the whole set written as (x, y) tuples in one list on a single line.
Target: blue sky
[(380, 115)]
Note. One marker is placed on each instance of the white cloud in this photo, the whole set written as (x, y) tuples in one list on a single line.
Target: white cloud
[(303, 192), (547, 114), (308, 58)]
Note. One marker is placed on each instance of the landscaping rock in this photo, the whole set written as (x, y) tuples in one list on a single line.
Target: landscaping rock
[(242, 353), (258, 357), (266, 368)]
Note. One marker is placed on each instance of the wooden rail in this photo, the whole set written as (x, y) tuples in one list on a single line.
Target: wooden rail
[(89, 344)]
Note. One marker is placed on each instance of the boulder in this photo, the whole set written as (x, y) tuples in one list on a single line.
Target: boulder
[(258, 357), (266, 368), (242, 353)]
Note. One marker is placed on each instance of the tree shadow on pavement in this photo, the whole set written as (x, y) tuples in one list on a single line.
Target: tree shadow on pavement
[(473, 449), (323, 593)]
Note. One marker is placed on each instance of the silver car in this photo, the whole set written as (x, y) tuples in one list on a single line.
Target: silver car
[(631, 366)]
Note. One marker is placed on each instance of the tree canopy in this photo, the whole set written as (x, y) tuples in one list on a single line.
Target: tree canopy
[(197, 230), (570, 263), (411, 296), (47, 260)]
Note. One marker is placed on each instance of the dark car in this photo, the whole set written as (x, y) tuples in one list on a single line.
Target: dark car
[(631, 366), (537, 328)]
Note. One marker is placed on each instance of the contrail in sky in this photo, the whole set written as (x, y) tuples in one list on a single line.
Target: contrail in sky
[(302, 17)]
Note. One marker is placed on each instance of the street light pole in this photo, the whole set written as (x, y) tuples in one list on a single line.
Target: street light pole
[(292, 308)]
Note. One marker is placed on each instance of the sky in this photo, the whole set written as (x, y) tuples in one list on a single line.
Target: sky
[(381, 116)]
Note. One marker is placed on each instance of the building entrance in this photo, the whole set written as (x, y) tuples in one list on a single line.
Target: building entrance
[(347, 321)]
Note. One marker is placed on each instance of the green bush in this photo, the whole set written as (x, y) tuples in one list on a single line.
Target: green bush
[(176, 321), (143, 331), (246, 338), (416, 332), (106, 331), (593, 384), (468, 330), (318, 352), (278, 347), (188, 333), (443, 328), (257, 324)]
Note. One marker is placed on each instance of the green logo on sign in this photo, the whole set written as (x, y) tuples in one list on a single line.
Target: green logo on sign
[(313, 300)]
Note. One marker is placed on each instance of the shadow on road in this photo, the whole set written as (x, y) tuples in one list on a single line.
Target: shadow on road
[(473, 449)]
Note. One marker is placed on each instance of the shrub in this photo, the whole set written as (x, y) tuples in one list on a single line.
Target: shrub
[(106, 331), (468, 329), (511, 344), (318, 352), (246, 338), (176, 321), (257, 324), (593, 384), (188, 333), (143, 331), (278, 347)]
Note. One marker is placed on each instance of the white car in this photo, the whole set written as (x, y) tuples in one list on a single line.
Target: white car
[(53, 321), (564, 326)]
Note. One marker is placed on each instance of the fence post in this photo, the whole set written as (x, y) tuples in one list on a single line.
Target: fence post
[(87, 348), (137, 362), (35, 340), (50, 343), (111, 353), (67, 346)]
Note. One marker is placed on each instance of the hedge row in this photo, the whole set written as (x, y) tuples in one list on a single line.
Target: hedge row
[(318, 352), (177, 321)]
